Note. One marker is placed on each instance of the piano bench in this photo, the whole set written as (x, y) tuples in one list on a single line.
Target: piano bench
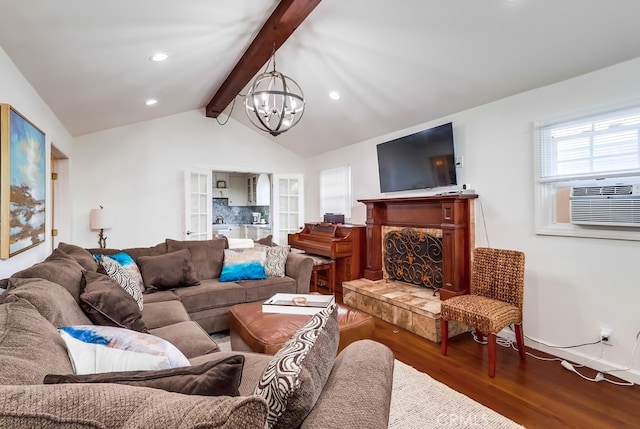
[(321, 264)]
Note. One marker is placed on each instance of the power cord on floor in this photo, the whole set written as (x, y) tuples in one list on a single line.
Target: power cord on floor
[(600, 376)]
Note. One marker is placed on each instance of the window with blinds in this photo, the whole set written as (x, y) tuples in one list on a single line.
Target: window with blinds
[(335, 191), (595, 150), (593, 147)]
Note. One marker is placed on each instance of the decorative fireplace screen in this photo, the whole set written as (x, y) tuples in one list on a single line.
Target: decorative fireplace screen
[(413, 256)]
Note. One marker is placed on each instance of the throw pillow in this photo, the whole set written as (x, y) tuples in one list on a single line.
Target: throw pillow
[(106, 303), (126, 261), (293, 380), (206, 255), (122, 277), (276, 261), (214, 378), (168, 271), (266, 241), (51, 300), (243, 264), (95, 349)]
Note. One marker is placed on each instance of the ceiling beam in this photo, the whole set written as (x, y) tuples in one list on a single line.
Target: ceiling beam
[(284, 20)]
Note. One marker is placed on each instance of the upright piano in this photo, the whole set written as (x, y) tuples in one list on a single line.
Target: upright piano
[(345, 244)]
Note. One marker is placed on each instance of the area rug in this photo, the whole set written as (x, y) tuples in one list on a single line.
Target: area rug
[(420, 402)]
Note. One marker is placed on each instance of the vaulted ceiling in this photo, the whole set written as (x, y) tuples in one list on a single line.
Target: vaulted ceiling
[(395, 63)]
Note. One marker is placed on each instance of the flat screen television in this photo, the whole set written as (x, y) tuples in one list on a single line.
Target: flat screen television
[(422, 160)]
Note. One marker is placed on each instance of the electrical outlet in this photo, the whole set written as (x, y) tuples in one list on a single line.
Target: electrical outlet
[(605, 334)]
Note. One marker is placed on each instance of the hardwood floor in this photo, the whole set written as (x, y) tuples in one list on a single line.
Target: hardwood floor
[(533, 393)]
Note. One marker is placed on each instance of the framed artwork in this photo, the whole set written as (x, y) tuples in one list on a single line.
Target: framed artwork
[(22, 183)]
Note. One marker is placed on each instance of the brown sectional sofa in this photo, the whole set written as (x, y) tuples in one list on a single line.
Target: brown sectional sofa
[(43, 297), (209, 302)]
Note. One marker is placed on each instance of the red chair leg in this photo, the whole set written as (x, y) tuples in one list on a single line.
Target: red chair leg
[(444, 334), (520, 341), (491, 343), (479, 335)]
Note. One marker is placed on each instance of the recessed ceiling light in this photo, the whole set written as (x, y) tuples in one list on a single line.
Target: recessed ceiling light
[(335, 95), (151, 102), (160, 56)]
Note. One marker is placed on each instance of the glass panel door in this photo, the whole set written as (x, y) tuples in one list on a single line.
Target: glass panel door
[(288, 206), (198, 204)]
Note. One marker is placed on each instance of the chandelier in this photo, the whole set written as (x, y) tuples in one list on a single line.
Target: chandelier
[(274, 102)]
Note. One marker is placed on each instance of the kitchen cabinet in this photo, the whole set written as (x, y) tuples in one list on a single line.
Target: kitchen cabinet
[(220, 185), (237, 190), (220, 179), (252, 183), (229, 230), (256, 232), (259, 190), (236, 231)]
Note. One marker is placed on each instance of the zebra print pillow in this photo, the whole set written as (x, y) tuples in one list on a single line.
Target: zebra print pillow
[(293, 380), (122, 277)]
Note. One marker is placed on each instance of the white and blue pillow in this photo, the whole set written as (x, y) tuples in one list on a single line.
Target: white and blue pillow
[(93, 349), (243, 264)]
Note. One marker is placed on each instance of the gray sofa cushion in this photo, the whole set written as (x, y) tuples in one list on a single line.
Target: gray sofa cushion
[(206, 255), (137, 252), (81, 255), (163, 313), (261, 290), (211, 294), (51, 300), (188, 337), (361, 381), (106, 405), (30, 346), (160, 296), (58, 268)]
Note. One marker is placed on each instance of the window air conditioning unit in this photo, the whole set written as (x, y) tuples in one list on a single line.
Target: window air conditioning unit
[(611, 205)]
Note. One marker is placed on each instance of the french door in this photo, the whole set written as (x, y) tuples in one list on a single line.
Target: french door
[(198, 204), (288, 206)]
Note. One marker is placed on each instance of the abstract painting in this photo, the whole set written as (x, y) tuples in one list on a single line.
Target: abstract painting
[(22, 183)]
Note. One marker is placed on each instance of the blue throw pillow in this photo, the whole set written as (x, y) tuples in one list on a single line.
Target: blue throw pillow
[(243, 264)]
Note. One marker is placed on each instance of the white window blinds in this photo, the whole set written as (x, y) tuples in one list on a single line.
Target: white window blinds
[(335, 191), (602, 145)]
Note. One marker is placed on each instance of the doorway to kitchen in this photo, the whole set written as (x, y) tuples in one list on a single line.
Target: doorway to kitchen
[(241, 204)]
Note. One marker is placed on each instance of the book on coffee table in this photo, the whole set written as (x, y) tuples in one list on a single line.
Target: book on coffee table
[(296, 303)]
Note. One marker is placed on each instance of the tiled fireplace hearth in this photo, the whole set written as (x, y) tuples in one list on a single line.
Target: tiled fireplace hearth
[(415, 246), (413, 308)]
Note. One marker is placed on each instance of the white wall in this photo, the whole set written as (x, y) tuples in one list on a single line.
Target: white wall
[(573, 285), (16, 91), (137, 171)]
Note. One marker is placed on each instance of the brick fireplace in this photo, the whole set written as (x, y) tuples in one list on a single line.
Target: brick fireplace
[(415, 247)]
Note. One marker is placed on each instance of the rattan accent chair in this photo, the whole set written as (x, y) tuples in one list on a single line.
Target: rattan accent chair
[(494, 302)]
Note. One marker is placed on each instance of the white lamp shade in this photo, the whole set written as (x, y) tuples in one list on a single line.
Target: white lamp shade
[(100, 219)]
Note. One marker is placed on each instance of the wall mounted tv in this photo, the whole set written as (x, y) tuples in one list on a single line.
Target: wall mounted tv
[(422, 160)]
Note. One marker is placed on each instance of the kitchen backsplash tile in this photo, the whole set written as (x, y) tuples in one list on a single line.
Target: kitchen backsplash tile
[(237, 214)]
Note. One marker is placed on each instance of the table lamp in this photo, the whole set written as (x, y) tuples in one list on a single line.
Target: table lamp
[(100, 219)]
